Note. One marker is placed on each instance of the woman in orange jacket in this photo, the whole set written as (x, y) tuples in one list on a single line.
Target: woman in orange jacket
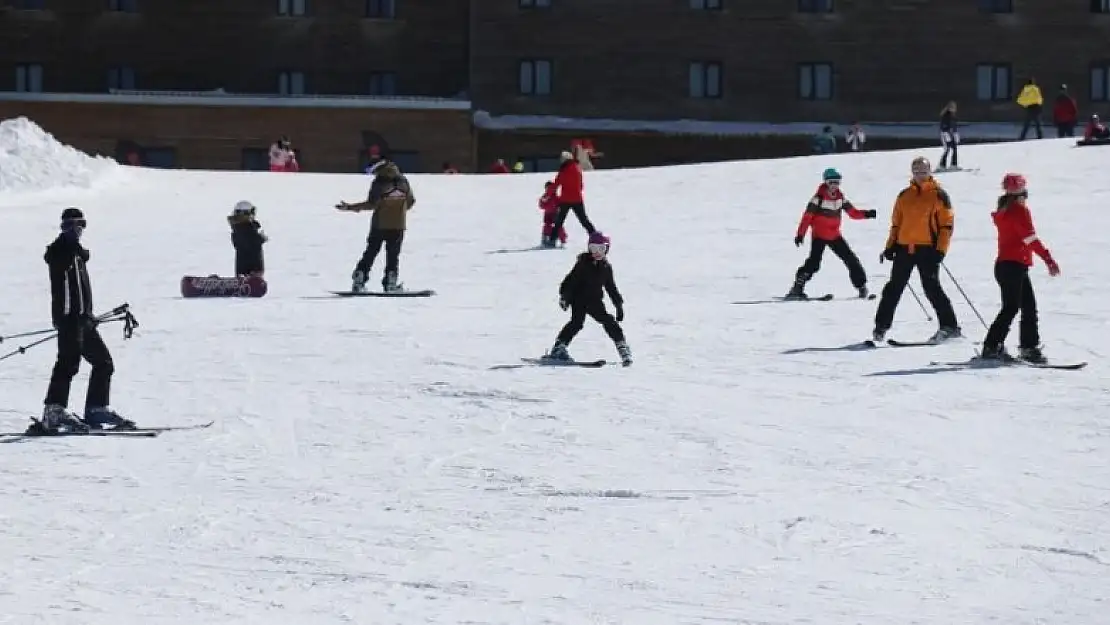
[(920, 233)]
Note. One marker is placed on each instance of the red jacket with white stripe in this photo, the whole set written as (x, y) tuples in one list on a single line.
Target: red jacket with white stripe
[(1017, 239), (823, 213)]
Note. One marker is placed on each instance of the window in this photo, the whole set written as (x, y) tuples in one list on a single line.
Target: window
[(28, 78), (996, 6), (121, 78), (1100, 83), (381, 9), (992, 82), (535, 4), (815, 81), (706, 80), (254, 159), (535, 77), (292, 7), (1100, 6), (123, 6), (291, 83), (383, 83), (29, 5), (705, 5), (539, 163), (161, 158), (815, 6)]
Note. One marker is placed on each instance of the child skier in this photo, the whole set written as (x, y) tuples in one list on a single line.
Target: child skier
[(1017, 242), (549, 204), (247, 238), (823, 215), (581, 291)]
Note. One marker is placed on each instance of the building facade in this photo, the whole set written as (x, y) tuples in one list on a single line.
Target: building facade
[(538, 73)]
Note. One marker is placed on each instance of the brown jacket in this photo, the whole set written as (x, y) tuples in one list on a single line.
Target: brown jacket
[(390, 198)]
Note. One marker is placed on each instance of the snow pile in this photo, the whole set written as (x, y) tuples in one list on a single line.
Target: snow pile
[(31, 159)]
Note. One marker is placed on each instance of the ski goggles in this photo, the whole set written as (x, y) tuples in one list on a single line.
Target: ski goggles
[(71, 224), (598, 249)]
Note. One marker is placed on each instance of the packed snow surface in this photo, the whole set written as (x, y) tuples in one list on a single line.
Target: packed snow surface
[(367, 466), (32, 160)]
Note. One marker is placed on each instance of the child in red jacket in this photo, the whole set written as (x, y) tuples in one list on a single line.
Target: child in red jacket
[(822, 214), (1017, 242), (549, 204)]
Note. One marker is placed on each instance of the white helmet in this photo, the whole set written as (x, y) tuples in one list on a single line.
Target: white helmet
[(243, 207)]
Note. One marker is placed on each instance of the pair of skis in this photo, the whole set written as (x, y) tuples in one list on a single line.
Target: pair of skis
[(978, 362), (551, 362), (142, 432), (827, 297)]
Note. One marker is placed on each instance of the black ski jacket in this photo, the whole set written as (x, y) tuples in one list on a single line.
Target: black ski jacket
[(70, 289), (247, 238), (584, 283)]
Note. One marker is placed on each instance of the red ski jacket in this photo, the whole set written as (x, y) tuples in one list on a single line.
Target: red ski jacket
[(823, 213), (569, 182), (1017, 240), (549, 203)]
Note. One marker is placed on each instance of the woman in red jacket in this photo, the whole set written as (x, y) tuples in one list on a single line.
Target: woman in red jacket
[(1017, 242), (569, 184)]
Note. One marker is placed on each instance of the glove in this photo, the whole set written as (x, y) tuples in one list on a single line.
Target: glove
[(888, 254), (870, 214), (620, 312), (563, 303), (798, 240), (1053, 268)]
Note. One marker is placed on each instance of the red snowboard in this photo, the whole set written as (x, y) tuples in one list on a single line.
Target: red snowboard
[(215, 286)]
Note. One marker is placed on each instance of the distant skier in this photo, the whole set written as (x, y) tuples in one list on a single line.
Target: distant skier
[(72, 313), (283, 157), (920, 233), (390, 198), (1017, 242), (949, 136), (581, 292), (570, 185), (822, 214), (247, 237), (549, 204), (1096, 130)]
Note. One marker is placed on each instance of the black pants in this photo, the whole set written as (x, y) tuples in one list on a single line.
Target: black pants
[(1032, 118), (248, 263), (927, 262), (839, 247), (1065, 129), (954, 148), (79, 339), (1017, 296), (392, 240), (596, 310), (579, 212)]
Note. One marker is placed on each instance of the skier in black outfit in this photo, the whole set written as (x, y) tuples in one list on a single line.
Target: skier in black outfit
[(581, 291), (247, 237), (949, 136), (72, 312)]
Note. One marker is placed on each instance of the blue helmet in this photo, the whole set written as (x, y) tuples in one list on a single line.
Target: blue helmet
[(831, 174)]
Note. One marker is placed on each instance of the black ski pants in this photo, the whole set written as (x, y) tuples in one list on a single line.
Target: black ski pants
[(927, 262), (839, 247), (77, 339), (1065, 129), (596, 311), (1017, 296), (953, 148), (392, 239), (564, 209), (1032, 119)]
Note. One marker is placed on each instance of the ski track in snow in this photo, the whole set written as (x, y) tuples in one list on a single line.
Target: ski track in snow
[(367, 467)]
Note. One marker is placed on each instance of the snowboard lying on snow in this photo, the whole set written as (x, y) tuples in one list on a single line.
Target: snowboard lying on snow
[(217, 286)]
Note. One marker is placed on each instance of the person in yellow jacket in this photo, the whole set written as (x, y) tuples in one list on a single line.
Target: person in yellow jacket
[(920, 233), (1031, 100)]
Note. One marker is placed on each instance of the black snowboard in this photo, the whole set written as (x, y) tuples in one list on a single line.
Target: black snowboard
[(401, 293)]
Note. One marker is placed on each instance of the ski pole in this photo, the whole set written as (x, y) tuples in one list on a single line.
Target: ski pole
[(25, 334), (966, 298), (913, 292), (24, 348)]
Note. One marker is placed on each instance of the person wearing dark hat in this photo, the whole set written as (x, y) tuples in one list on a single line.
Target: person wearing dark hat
[(72, 313)]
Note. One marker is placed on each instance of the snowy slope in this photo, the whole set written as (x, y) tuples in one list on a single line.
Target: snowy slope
[(366, 466)]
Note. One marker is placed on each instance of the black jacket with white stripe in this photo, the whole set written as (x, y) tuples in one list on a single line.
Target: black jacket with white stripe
[(70, 290)]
